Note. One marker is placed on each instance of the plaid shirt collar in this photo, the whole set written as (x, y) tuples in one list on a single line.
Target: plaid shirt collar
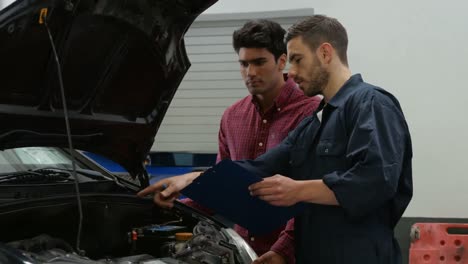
[(282, 99)]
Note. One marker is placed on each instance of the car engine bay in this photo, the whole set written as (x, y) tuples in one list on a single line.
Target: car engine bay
[(117, 229)]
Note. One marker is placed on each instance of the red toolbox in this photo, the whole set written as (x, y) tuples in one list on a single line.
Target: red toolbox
[(433, 243)]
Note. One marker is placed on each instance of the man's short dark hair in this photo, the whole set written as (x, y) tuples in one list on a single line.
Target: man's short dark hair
[(318, 29), (260, 33)]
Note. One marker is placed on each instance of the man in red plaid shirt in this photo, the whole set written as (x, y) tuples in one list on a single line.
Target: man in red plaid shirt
[(263, 119)]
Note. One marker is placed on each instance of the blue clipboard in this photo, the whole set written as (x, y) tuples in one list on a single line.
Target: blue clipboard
[(224, 189)]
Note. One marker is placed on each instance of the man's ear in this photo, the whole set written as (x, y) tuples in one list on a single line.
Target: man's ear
[(282, 61), (325, 53)]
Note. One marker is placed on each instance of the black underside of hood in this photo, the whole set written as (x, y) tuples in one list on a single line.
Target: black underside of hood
[(121, 62)]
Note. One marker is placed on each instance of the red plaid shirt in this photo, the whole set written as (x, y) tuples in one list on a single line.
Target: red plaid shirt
[(246, 133)]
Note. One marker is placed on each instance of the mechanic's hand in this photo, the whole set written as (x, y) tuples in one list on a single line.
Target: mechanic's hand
[(167, 190), (276, 190), (270, 257)]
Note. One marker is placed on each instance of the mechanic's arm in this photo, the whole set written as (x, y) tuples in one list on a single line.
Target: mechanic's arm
[(376, 143), (167, 190), (276, 159)]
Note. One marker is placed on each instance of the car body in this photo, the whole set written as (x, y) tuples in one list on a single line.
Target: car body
[(94, 76)]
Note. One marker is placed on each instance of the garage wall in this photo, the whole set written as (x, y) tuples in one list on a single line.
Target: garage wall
[(212, 83), (4, 3)]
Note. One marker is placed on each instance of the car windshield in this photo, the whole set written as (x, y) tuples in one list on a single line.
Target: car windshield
[(31, 158)]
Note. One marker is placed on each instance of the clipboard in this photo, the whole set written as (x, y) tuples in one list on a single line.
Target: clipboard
[(224, 189)]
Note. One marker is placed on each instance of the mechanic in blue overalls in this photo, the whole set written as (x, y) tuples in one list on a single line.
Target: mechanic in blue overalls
[(350, 162)]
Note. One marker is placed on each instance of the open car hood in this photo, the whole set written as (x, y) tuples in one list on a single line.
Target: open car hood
[(121, 63)]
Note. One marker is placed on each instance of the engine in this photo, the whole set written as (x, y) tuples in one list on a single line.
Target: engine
[(205, 244), (178, 236)]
